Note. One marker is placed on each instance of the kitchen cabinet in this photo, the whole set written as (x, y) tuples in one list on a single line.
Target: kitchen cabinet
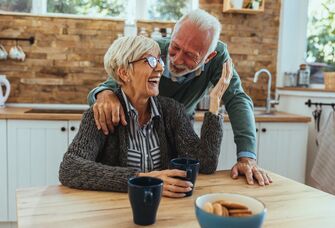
[(73, 127), (35, 150), (281, 148), (228, 148), (3, 171)]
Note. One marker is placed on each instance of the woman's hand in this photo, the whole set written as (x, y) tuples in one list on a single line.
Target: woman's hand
[(172, 187), (221, 87)]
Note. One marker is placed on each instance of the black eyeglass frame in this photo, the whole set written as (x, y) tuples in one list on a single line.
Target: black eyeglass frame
[(149, 60)]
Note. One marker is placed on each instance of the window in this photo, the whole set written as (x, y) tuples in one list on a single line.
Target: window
[(16, 5), (113, 8), (168, 9), (130, 9), (321, 32)]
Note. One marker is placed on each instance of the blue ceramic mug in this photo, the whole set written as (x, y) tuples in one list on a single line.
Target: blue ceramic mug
[(191, 166), (145, 195)]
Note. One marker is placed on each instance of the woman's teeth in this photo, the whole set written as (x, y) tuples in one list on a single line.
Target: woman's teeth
[(153, 80)]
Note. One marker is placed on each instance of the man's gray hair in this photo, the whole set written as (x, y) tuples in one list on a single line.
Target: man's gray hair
[(127, 49), (206, 22)]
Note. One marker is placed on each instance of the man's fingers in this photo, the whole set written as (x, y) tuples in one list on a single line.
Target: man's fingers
[(123, 117), (267, 179), (234, 172), (248, 174), (108, 117), (116, 116), (102, 120), (258, 176), (96, 117)]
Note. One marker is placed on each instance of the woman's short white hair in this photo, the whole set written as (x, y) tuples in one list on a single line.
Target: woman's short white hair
[(205, 22), (127, 49)]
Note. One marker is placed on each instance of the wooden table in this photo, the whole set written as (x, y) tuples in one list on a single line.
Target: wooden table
[(290, 204)]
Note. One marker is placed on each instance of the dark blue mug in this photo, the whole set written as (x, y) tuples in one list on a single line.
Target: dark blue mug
[(144, 195), (191, 166)]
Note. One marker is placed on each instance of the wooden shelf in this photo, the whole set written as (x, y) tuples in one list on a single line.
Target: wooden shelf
[(227, 8)]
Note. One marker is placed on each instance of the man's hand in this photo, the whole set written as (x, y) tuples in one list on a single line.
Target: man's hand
[(248, 167), (221, 86), (172, 187), (108, 111)]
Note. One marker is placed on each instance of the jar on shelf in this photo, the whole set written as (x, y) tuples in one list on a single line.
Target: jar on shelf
[(290, 79), (304, 75)]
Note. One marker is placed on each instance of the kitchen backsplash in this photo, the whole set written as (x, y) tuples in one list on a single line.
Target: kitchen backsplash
[(66, 60)]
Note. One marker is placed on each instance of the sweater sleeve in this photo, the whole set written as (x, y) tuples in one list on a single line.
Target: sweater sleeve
[(207, 148), (238, 105), (79, 168)]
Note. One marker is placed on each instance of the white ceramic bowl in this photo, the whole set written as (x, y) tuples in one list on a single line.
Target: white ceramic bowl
[(208, 220)]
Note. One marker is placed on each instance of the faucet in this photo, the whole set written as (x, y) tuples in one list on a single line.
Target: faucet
[(268, 99)]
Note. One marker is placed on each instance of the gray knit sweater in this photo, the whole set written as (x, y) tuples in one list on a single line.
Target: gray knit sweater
[(95, 161)]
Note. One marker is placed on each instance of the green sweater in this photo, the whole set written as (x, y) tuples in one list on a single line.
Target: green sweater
[(238, 105)]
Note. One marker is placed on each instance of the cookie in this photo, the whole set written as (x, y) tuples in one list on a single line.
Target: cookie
[(225, 211), (208, 207), (217, 209)]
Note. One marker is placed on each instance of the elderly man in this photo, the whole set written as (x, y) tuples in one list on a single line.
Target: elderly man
[(194, 57)]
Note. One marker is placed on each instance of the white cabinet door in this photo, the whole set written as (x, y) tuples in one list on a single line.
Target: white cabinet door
[(73, 129), (282, 149), (35, 150), (3, 171), (228, 148)]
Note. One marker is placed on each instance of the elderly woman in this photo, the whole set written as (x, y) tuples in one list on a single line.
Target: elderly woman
[(157, 129)]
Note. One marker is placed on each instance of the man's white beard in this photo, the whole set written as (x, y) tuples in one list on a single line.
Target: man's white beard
[(185, 71)]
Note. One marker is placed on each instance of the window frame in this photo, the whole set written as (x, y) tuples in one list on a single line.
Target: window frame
[(135, 10)]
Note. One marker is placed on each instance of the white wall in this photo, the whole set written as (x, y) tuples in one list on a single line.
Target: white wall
[(292, 37)]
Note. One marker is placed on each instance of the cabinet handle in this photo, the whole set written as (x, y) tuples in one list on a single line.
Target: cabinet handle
[(263, 129), (63, 129), (256, 129), (73, 128)]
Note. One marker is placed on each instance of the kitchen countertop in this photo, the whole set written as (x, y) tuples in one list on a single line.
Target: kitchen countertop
[(289, 204), (20, 113), (261, 117)]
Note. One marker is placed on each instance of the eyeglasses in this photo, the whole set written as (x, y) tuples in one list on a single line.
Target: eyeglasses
[(151, 60)]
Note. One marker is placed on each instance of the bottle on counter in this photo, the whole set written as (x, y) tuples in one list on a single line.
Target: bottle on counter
[(304, 75)]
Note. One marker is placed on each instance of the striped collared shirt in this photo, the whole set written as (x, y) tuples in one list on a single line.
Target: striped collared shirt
[(143, 150)]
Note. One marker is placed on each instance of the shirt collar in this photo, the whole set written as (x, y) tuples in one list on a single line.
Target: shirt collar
[(131, 109)]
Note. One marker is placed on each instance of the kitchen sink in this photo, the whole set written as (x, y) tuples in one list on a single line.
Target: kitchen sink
[(56, 111)]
